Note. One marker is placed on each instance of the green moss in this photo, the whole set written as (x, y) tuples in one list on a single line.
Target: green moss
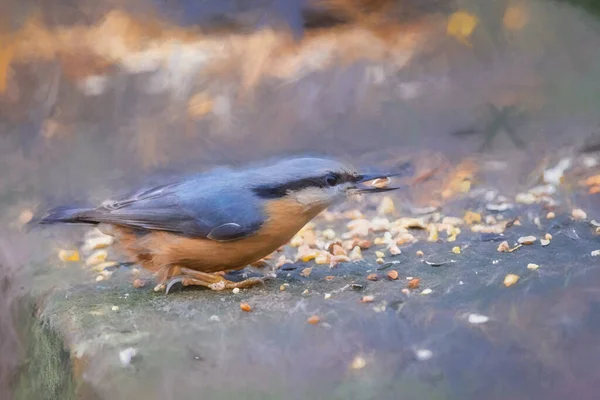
[(47, 371)]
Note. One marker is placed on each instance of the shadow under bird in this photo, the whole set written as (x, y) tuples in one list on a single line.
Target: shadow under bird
[(225, 219)]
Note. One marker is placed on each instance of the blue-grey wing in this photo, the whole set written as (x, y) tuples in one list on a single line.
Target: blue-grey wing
[(193, 209)]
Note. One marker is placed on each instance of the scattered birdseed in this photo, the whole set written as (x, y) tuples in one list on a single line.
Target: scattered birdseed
[(525, 198), (427, 291), (595, 253), (393, 275), (329, 278), (379, 254), (356, 254), (297, 241), (503, 247), (138, 283), (456, 249), (99, 278), (578, 214), (414, 283), (305, 292), (283, 287), (423, 354), (548, 236), (367, 299), (329, 234), (214, 318), (338, 250), (68, 255), (323, 258), (405, 291), (420, 253), (550, 215), (380, 261), (532, 266), (527, 240), (472, 218), (306, 272), (372, 277), (386, 206), (394, 250), (327, 296), (102, 266), (544, 242), (478, 319), (127, 355), (245, 307), (236, 290), (314, 320), (510, 279), (25, 216), (115, 308), (98, 242), (359, 362), (97, 257)]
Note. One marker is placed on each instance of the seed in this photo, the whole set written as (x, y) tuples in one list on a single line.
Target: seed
[(527, 240), (68, 255), (386, 206), (380, 261), (367, 299), (548, 236), (510, 279), (426, 291), (297, 241), (532, 266), (314, 320), (544, 242), (97, 257), (405, 291), (550, 215), (379, 254), (327, 296), (138, 283), (99, 278), (503, 247), (338, 250), (578, 214), (322, 259), (356, 254), (99, 242), (478, 319), (306, 271), (420, 253), (395, 250), (283, 287), (236, 290), (372, 277), (595, 253), (329, 234), (115, 308), (456, 249), (393, 275), (245, 307), (359, 362), (414, 283)]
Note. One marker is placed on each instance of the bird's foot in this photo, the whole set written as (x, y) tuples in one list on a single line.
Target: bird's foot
[(215, 282)]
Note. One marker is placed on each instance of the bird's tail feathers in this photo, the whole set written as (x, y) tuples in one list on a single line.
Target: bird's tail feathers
[(67, 214)]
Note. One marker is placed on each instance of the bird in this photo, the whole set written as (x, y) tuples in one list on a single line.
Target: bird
[(190, 230)]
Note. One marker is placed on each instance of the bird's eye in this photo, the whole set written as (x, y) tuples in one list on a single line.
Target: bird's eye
[(331, 180)]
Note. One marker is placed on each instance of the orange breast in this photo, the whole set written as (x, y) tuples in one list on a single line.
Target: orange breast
[(158, 250)]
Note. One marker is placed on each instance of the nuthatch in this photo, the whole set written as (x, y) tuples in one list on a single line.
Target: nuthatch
[(222, 220)]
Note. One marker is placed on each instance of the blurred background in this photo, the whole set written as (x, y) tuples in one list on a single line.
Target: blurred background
[(98, 95)]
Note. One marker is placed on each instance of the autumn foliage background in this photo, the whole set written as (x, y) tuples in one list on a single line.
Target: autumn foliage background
[(98, 94)]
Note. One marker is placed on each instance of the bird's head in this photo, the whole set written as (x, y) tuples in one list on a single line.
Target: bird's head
[(314, 182)]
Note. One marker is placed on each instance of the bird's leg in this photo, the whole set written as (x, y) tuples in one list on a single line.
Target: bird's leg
[(190, 277)]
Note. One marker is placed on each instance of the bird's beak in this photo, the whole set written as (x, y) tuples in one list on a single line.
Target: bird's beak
[(374, 183)]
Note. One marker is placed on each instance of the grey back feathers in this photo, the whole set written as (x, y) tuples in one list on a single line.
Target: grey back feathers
[(223, 204)]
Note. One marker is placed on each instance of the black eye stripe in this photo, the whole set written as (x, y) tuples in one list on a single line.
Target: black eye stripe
[(278, 191)]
